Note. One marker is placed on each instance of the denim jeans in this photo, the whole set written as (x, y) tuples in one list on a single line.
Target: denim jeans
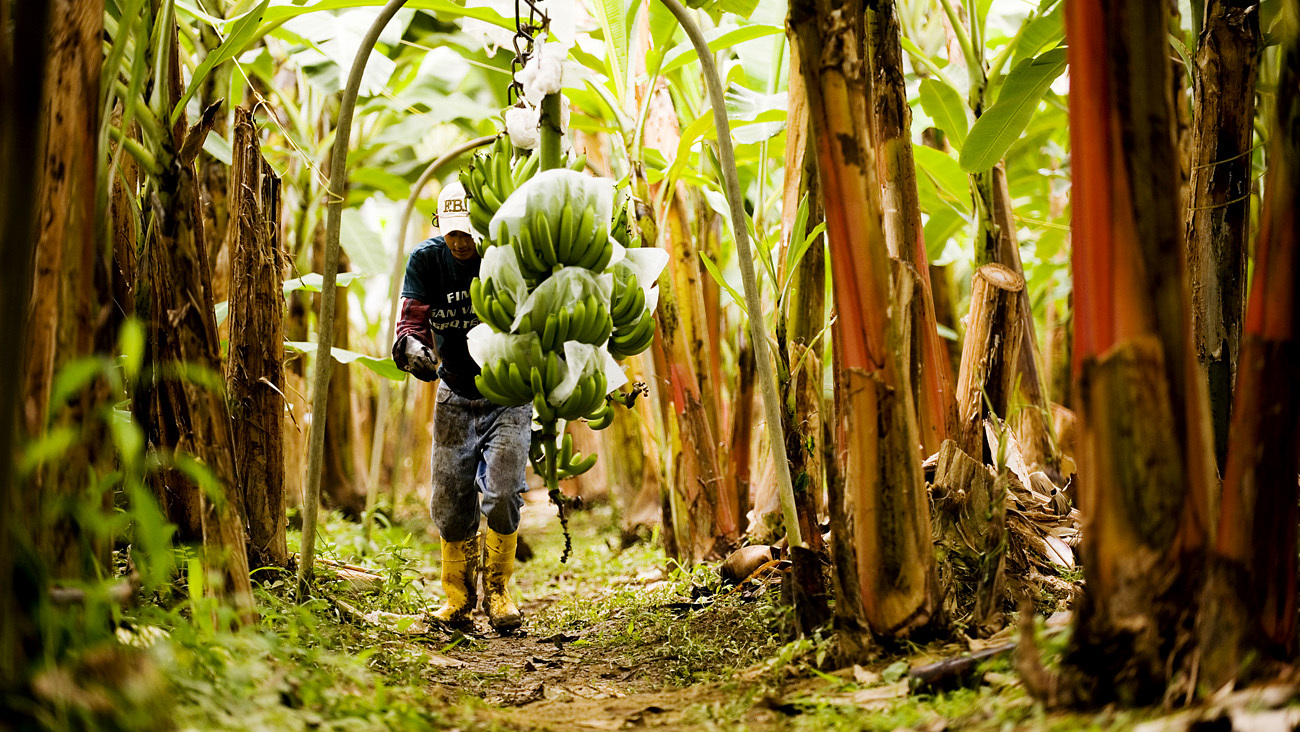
[(478, 447)]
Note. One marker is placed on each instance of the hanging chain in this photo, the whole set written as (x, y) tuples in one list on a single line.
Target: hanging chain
[(525, 37)]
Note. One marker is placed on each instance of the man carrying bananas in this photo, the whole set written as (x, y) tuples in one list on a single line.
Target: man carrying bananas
[(478, 447)]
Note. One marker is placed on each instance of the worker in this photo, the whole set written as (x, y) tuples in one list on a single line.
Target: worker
[(478, 447)]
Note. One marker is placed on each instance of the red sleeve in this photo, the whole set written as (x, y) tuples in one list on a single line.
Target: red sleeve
[(414, 321)]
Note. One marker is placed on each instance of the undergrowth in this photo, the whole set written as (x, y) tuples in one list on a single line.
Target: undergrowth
[(182, 662), (312, 665)]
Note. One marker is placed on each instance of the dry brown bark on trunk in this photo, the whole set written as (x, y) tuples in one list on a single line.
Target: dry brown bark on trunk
[(181, 400), (885, 492), (1249, 616), (702, 524), (891, 118), (682, 355), (688, 377), (1144, 449), (125, 224), (185, 415), (742, 431), (1218, 201), (1132, 491), (255, 368), (708, 319), (970, 530), (945, 314), (853, 639), (214, 176), (1060, 327), (69, 300), (989, 355), (1033, 422), (803, 321)]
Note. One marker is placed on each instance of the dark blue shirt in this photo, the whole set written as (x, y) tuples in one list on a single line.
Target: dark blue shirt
[(435, 277)]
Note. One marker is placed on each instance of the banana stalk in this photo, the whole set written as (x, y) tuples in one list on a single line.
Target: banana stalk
[(758, 326)]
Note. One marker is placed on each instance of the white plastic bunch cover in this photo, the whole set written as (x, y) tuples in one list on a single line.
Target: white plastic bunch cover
[(647, 263), (580, 360), (548, 191), (544, 72), (487, 346), (491, 35), (501, 265), (563, 289), (523, 124)]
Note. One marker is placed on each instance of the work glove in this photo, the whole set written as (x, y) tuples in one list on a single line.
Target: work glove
[(415, 358)]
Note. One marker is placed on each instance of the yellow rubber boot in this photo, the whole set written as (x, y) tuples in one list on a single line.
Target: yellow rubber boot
[(459, 581), (498, 567)]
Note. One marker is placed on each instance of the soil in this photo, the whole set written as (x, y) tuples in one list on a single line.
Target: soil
[(574, 679), (619, 638)]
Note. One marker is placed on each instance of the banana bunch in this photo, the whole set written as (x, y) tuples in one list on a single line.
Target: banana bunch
[(491, 178), (511, 385), (492, 306), (602, 417), (633, 338), (505, 383), (588, 398), (621, 228), (570, 238), (586, 322), (570, 464), (628, 299)]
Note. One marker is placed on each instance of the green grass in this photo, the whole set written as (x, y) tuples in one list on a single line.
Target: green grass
[(309, 666)]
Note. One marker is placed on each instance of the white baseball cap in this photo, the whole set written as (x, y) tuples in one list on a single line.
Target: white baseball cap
[(453, 210)]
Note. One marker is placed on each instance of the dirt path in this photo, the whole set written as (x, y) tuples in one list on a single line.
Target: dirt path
[(608, 641)]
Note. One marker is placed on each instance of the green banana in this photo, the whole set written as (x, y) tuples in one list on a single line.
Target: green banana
[(502, 181), (501, 319), (490, 198), (490, 385), (545, 412), (548, 332), (568, 229), (552, 372), (606, 254), (525, 168), (632, 304), (600, 251), (574, 469), (606, 328), (602, 417), (598, 393), (490, 394), (544, 235), (566, 448), (507, 299), (517, 244), (583, 236), (561, 327), (631, 340), (577, 321), (535, 262), (518, 386), (476, 300)]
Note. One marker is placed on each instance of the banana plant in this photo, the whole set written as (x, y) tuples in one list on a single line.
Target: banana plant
[(1002, 95)]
